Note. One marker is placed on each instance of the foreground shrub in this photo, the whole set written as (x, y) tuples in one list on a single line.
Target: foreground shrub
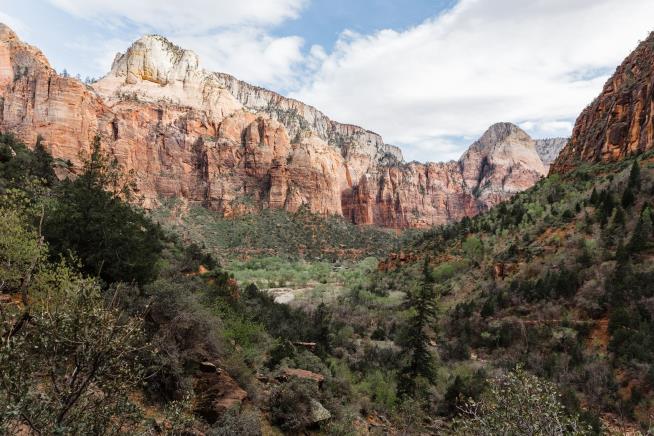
[(67, 360), (290, 405), (518, 404)]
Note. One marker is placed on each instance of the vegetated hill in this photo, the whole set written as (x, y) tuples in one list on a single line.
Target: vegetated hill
[(559, 280), (235, 148), (301, 235)]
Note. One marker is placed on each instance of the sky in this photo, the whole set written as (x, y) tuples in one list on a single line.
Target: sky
[(428, 75)]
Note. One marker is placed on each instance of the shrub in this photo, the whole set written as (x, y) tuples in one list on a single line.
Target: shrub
[(67, 361), (518, 403), (237, 423), (290, 404)]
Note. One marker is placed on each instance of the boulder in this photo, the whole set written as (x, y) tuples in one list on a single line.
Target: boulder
[(318, 412), (216, 393)]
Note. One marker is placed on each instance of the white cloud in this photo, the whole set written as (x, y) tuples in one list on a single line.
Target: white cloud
[(537, 63), (230, 36), (250, 54), (99, 53), (14, 23), (188, 16)]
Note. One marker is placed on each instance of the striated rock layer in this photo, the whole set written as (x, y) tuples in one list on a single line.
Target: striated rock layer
[(211, 139), (620, 122), (548, 149)]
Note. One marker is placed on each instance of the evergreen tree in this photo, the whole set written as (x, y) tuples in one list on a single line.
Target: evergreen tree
[(634, 176), (594, 197), (641, 233), (43, 163), (628, 197), (621, 254), (321, 322), (91, 219), (421, 362)]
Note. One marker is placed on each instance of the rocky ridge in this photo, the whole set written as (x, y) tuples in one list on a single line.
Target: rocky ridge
[(209, 138), (620, 122), (549, 148)]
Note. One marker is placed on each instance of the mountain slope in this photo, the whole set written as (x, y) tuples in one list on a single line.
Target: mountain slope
[(210, 139), (558, 280), (620, 122)]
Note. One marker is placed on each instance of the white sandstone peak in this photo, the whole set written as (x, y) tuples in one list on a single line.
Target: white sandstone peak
[(155, 59), (505, 132)]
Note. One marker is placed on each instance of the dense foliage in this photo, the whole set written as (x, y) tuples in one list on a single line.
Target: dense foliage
[(91, 219), (274, 232), (518, 404)]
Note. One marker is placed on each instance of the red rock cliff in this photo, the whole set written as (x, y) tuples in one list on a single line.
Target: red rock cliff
[(620, 122), (211, 139)]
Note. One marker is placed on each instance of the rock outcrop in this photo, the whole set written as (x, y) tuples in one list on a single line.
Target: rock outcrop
[(548, 149), (502, 162), (216, 393), (620, 122), (211, 139)]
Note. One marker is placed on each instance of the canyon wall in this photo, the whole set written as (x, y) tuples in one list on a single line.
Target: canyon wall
[(235, 148), (619, 123)]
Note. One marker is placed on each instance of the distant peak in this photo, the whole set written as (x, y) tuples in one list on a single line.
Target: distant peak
[(501, 131), (154, 58), (163, 41)]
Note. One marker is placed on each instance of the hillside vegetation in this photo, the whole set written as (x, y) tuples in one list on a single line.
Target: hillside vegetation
[(146, 335), (276, 232), (559, 281)]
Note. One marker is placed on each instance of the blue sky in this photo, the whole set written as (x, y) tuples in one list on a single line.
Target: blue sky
[(323, 21), (62, 35), (429, 76)]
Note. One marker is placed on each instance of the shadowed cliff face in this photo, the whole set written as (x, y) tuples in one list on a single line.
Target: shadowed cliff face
[(209, 138), (619, 122)]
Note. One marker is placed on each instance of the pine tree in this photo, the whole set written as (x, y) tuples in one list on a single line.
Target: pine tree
[(628, 197), (91, 218), (321, 322), (641, 233), (634, 176), (594, 197), (43, 162), (421, 361)]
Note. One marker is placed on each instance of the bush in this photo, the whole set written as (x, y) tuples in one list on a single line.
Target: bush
[(237, 423), (290, 404), (519, 403), (67, 361)]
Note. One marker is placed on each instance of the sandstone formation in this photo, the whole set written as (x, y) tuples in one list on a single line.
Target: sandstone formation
[(211, 139), (503, 161), (548, 149), (620, 122)]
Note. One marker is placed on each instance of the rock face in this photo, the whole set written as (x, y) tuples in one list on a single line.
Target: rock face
[(216, 394), (211, 139), (502, 162), (548, 149), (620, 122)]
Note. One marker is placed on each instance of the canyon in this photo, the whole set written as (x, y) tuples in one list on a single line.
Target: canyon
[(208, 138)]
